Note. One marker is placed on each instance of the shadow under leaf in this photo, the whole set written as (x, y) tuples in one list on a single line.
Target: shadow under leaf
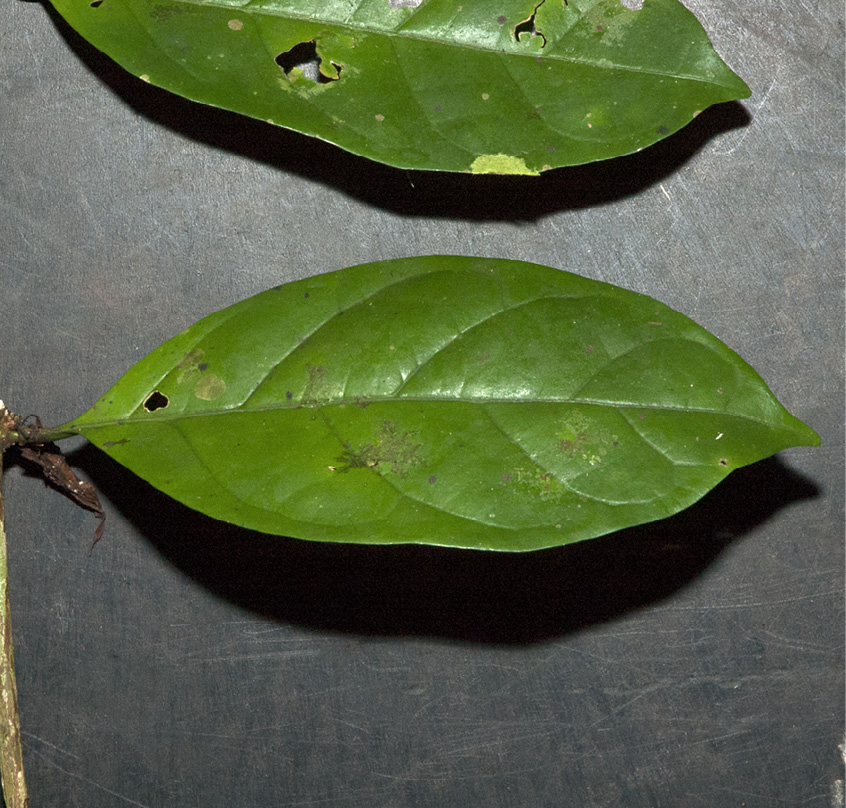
[(476, 596)]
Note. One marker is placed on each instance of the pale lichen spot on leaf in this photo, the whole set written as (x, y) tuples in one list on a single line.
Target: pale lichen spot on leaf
[(616, 25), (191, 366), (209, 387), (537, 482), (235, 25), (501, 164), (390, 449), (316, 388)]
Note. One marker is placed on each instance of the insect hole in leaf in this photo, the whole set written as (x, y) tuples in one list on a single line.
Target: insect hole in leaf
[(527, 27), (156, 401), (304, 57)]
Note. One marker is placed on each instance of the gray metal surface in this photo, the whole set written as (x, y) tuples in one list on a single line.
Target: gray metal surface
[(696, 662)]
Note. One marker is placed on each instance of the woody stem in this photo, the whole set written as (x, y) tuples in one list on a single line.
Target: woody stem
[(11, 754)]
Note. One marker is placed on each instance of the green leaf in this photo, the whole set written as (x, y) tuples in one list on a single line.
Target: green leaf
[(488, 86), (457, 401)]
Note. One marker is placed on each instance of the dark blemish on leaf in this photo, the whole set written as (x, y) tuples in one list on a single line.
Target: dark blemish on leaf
[(289, 395), (589, 349), (600, 28), (723, 461), (156, 401), (304, 58), (203, 366), (571, 447), (110, 443), (315, 373), (550, 148), (641, 415), (437, 107), (306, 295), (662, 130), (616, 443), (191, 359), (95, 3), (501, 19), (432, 478)]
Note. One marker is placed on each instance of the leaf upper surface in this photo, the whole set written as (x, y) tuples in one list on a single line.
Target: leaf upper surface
[(466, 402), (504, 86)]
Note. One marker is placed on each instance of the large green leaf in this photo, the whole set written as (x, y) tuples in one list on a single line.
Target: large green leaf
[(467, 402), (503, 86)]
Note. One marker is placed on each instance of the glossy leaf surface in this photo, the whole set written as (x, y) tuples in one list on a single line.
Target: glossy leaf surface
[(457, 401), (488, 86)]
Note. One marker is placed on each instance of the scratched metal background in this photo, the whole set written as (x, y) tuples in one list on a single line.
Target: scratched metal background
[(696, 662)]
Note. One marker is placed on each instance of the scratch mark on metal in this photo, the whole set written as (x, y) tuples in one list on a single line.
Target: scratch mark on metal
[(79, 777), (746, 129)]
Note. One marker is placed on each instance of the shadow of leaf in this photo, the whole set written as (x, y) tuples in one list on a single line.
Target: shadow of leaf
[(408, 193), (411, 590)]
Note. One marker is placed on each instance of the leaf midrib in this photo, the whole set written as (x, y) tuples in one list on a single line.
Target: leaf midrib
[(359, 401)]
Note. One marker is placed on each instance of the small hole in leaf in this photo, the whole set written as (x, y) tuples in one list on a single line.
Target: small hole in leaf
[(527, 27), (156, 401), (304, 57), (95, 3), (723, 461)]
